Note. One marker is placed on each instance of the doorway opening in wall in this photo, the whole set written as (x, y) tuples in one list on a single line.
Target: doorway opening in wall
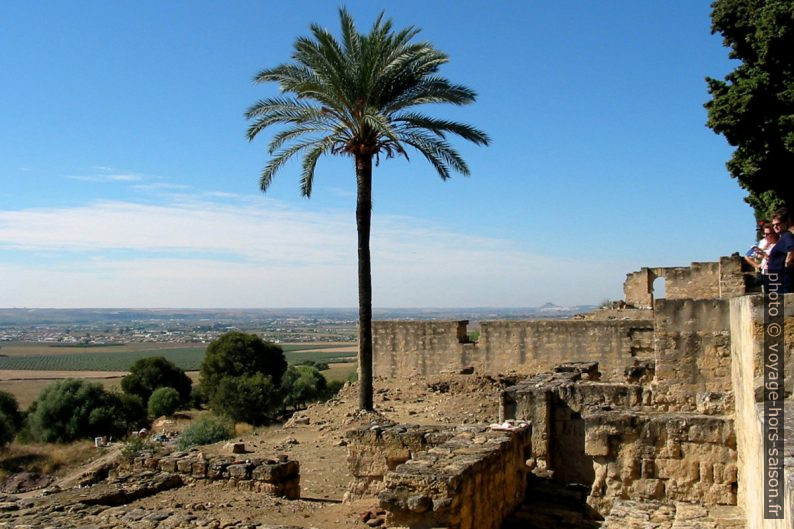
[(560, 500), (658, 288)]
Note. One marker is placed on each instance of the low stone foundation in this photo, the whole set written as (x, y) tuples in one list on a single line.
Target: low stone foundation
[(375, 450), (471, 481), (276, 477)]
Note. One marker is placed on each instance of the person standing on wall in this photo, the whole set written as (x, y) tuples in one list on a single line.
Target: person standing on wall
[(781, 257)]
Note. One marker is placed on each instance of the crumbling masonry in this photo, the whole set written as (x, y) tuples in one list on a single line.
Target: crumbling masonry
[(653, 412)]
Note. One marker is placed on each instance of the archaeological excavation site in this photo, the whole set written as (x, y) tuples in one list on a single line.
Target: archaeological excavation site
[(648, 413)]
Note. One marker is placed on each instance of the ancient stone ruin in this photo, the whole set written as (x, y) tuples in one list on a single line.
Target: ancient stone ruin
[(648, 414)]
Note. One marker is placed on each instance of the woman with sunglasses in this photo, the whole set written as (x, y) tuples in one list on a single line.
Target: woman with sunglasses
[(781, 258), (760, 254)]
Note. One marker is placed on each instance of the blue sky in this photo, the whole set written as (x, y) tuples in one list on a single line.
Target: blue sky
[(127, 180)]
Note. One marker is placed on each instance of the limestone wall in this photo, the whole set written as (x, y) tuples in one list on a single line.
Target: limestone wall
[(406, 348), (709, 280), (374, 451), (693, 357), (610, 438), (471, 481), (747, 377), (660, 456)]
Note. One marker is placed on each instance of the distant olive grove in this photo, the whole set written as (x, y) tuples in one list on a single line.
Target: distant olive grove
[(242, 379)]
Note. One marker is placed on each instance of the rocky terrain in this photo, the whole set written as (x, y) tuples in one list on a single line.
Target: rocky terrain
[(314, 437)]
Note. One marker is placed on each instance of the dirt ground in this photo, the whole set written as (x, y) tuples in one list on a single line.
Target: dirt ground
[(317, 444)]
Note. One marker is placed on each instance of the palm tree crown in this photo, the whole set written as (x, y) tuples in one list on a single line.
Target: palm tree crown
[(355, 98)]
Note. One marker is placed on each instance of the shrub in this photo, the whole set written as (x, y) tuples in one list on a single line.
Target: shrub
[(164, 401), (7, 430), (252, 398), (205, 431), (71, 409), (148, 374), (136, 446), (197, 397), (303, 384), (10, 408), (333, 387), (319, 366), (236, 354), (133, 412)]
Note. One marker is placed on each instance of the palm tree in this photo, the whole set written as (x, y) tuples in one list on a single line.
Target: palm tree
[(356, 98)]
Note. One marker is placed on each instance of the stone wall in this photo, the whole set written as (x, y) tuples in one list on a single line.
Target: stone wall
[(747, 377), (374, 451), (660, 456), (610, 438), (277, 477), (693, 357), (471, 481), (710, 280), (406, 348)]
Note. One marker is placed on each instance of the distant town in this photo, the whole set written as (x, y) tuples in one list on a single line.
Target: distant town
[(97, 327)]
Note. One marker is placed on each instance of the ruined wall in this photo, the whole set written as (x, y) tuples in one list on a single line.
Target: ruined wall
[(709, 280), (693, 357), (404, 349), (471, 481), (747, 377), (276, 477), (610, 438), (374, 451), (658, 456)]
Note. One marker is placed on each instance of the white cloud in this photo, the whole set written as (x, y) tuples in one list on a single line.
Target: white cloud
[(257, 252)]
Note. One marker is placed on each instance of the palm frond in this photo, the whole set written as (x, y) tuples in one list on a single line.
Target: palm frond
[(441, 127), (434, 148), (280, 158)]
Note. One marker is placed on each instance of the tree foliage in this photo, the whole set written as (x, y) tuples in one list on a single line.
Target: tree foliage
[(72, 409), (358, 97), (10, 408), (164, 401), (236, 354), (303, 384), (7, 430), (148, 374), (754, 106), (248, 398)]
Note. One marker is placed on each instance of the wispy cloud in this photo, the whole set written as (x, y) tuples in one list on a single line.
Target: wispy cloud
[(160, 186), (101, 173), (260, 252)]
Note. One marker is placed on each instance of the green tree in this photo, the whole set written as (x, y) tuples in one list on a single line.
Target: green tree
[(10, 408), (754, 106), (73, 409), (236, 354), (248, 398), (164, 401), (7, 430), (133, 412), (358, 98), (148, 374), (303, 384)]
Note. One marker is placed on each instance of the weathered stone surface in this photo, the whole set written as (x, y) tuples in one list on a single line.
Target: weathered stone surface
[(472, 480)]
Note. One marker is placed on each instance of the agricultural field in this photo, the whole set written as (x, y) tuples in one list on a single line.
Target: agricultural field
[(41, 357)]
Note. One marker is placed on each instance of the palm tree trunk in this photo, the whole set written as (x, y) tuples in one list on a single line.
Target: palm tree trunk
[(363, 221)]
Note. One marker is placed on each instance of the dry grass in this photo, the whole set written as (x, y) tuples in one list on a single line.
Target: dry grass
[(44, 458), (339, 371), (26, 391)]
